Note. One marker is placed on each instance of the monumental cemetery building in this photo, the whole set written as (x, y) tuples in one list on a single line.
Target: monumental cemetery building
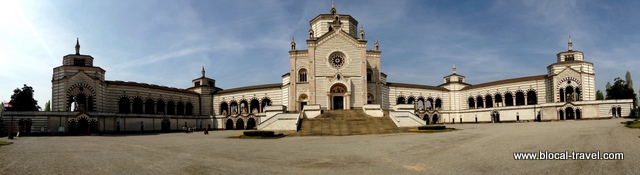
[(336, 71)]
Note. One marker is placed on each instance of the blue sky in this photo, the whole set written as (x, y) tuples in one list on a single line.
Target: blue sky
[(244, 43)]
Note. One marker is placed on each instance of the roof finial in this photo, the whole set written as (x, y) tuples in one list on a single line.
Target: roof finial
[(570, 44), (333, 8), (376, 46), (293, 44), (362, 32), (77, 46), (454, 68), (202, 71)]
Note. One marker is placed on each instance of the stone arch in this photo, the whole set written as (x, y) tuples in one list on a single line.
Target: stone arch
[(239, 124), (561, 114), (471, 102), (570, 113), (401, 100), (435, 119), (426, 118), (479, 101), (520, 98), (123, 105), (266, 101), (234, 107), (171, 108), (82, 90), (302, 75), (137, 105), (438, 104), (255, 105), (244, 106), (489, 101), (370, 75), (498, 100), (180, 108), (508, 99), (251, 123), (411, 100), (339, 99), (189, 109), (165, 125), (229, 124), (160, 107), (149, 106), (532, 97), (224, 107), (495, 116)]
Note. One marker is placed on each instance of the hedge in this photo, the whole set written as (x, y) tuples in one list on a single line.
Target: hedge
[(432, 127), (259, 133)]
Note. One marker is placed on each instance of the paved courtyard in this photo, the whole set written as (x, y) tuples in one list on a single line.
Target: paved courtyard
[(476, 149)]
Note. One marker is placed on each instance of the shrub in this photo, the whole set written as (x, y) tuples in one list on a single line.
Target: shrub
[(432, 127), (259, 133)]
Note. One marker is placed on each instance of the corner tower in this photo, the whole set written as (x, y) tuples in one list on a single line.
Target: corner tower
[(77, 80), (571, 77)]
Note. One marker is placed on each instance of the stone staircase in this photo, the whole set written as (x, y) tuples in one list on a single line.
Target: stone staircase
[(346, 122)]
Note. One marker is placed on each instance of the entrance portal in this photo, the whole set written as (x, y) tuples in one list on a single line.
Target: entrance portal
[(338, 102)]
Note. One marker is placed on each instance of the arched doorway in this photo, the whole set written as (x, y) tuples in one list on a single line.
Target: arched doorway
[(83, 126), (338, 100), (495, 117), (570, 114), (303, 99), (561, 113), (239, 124), (73, 126), (578, 114), (435, 119), (426, 119), (229, 124), (251, 123), (165, 125)]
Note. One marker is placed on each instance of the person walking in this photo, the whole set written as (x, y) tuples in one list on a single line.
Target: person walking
[(206, 131)]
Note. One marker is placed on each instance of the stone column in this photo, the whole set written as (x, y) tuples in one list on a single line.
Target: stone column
[(503, 102), (144, 107), (155, 109), (130, 107), (525, 99)]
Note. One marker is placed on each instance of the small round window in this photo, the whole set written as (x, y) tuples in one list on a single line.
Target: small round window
[(337, 60)]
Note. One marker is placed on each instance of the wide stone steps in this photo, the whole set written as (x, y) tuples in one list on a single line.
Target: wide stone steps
[(346, 122)]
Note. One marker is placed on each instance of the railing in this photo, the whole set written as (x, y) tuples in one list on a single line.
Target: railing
[(398, 116)]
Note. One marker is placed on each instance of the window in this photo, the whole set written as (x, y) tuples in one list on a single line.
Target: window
[(78, 62), (211, 83), (197, 84), (569, 57), (337, 60), (302, 75), (369, 75)]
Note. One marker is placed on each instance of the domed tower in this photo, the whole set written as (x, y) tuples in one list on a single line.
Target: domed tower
[(571, 78), (77, 80)]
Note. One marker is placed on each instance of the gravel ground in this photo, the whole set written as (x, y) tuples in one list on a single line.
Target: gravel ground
[(475, 149)]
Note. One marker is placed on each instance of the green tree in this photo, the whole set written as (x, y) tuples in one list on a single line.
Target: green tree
[(47, 106), (599, 95), (629, 80), (22, 100), (620, 90), (608, 86)]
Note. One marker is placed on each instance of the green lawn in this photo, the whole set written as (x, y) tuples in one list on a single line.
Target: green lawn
[(2, 143), (633, 124)]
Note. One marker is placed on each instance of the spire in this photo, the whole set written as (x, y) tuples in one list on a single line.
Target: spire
[(454, 68), (361, 32), (570, 44), (293, 44), (333, 8), (376, 46), (202, 71), (77, 46)]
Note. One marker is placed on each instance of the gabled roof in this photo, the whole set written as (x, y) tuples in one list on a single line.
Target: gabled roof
[(507, 81), (417, 86), (246, 88), (152, 86)]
